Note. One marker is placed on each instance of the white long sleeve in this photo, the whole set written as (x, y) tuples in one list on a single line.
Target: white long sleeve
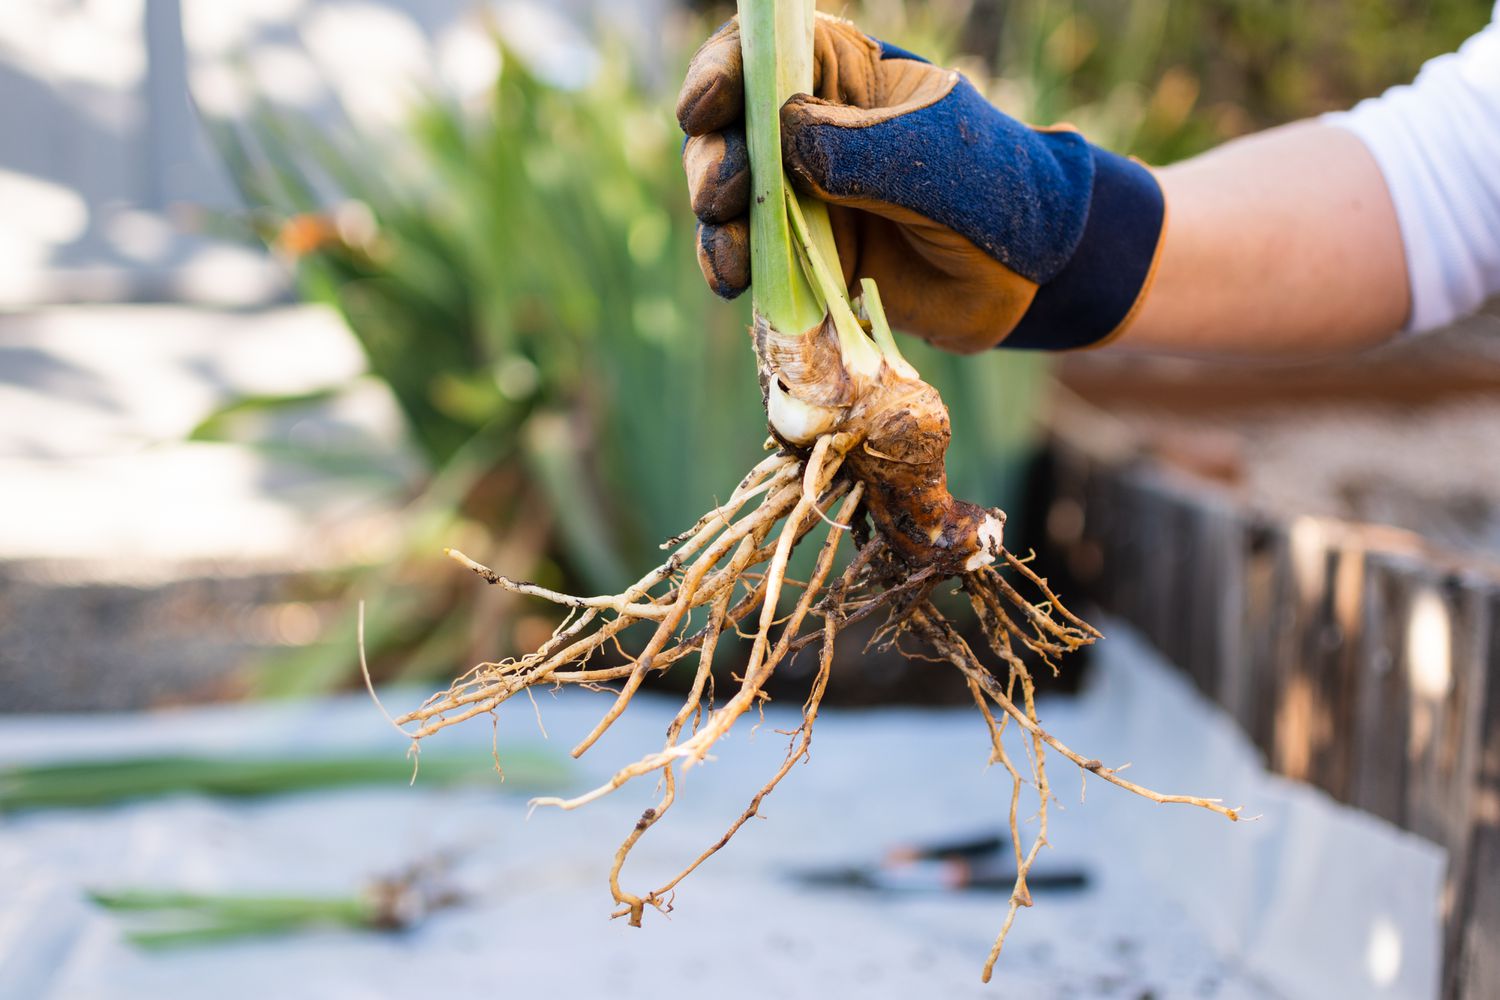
[(1437, 142)]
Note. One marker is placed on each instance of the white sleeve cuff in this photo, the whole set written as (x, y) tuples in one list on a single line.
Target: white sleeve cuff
[(1437, 143)]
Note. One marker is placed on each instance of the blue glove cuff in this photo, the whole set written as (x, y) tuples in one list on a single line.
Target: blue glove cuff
[(1093, 296), (1079, 224), (1018, 194)]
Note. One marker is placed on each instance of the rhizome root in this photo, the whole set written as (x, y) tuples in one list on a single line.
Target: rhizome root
[(733, 563)]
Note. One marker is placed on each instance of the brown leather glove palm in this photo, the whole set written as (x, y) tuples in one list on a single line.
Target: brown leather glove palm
[(977, 228)]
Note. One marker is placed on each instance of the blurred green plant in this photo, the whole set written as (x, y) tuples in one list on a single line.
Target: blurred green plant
[(521, 274), (1164, 81), (91, 783), (518, 274), (158, 919)]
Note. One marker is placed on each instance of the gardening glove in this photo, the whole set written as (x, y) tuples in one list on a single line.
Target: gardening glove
[(979, 230)]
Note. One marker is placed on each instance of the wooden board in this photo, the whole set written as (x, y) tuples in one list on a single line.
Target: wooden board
[(1382, 704), (1472, 946), (1354, 657)]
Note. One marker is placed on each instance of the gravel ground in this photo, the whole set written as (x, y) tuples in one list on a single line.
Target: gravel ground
[(1431, 470), (1404, 435), (1435, 471)]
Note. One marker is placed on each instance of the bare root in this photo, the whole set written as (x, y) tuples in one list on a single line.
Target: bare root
[(730, 568)]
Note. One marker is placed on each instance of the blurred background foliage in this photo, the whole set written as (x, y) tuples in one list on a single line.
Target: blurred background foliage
[(519, 269), (1166, 80)]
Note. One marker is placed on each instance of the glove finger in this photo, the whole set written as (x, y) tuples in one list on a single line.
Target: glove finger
[(718, 174), (713, 93), (724, 256), (845, 154), (846, 63), (847, 67)]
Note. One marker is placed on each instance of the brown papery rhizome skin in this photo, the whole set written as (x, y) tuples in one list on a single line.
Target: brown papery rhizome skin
[(895, 432)]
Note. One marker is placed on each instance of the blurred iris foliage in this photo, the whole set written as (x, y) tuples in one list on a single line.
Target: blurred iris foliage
[(1164, 81), (519, 269)]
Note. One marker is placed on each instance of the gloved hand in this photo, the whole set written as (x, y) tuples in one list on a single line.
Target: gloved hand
[(977, 228)]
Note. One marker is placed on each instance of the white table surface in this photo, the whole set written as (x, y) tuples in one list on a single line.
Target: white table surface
[(1312, 900)]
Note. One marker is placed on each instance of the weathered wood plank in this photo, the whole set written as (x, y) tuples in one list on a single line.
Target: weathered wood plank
[(1173, 605), (1354, 657), (1382, 711), (1128, 553), (1472, 945), (1231, 541), (1446, 659), (1100, 530), (1331, 645), (1156, 563), (1073, 519), (1299, 722), (1271, 617), (1201, 575)]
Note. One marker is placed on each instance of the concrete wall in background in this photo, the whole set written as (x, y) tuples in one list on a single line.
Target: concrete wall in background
[(103, 161)]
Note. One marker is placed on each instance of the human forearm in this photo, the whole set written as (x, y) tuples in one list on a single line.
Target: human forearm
[(1281, 243), (981, 230)]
